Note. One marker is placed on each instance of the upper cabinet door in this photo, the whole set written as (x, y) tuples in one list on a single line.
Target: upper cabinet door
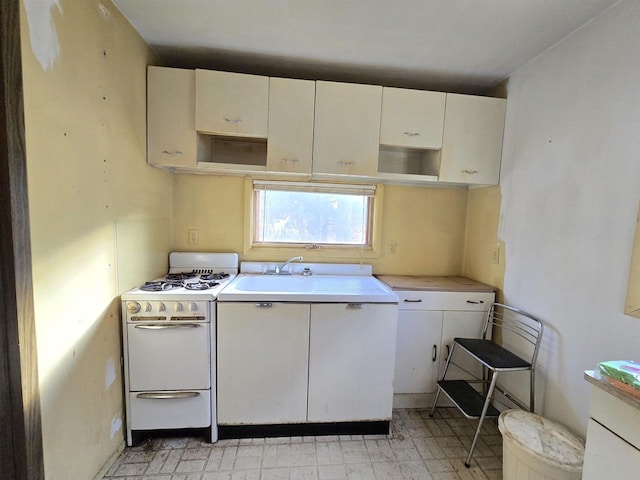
[(472, 142), (290, 142), (232, 104), (412, 118), (171, 132), (347, 129)]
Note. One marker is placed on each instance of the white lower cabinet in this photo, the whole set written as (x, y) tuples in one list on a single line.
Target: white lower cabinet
[(263, 351), (351, 362), (284, 363), (427, 324)]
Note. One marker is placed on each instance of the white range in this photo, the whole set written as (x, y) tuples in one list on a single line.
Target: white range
[(169, 329)]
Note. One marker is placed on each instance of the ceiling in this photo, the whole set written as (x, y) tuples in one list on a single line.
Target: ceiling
[(465, 46)]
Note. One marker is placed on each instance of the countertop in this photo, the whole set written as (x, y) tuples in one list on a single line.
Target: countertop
[(433, 283), (596, 379)]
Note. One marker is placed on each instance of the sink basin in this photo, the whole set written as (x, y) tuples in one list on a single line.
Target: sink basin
[(315, 288)]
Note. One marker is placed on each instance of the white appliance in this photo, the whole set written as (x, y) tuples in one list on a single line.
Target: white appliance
[(168, 330)]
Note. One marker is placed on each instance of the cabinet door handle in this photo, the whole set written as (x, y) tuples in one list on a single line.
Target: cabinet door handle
[(475, 302), (470, 172), (289, 160), (342, 163), (168, 326), (173, 153), (264, 305), (411, 134), (233, 120), (167, 395), (408, 300), (435, 353), (355, 306)]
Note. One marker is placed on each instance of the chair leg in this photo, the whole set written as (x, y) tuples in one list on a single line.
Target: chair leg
[(532, 388), (444, 374), (487, 401)]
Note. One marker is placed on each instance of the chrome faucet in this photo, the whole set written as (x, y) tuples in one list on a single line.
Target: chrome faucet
[(279, 269)]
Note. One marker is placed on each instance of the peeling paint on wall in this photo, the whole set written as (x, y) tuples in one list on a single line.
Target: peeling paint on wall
[(42, 32), (109, 374), (104, 11), (116, 425)]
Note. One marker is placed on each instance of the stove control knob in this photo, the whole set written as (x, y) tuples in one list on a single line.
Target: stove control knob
[(178, 307), (148, 307), (133, 307), (193, 306), (162, 307)]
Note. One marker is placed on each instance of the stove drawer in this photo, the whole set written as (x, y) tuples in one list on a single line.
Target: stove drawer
[(165, 356), (169, 409)]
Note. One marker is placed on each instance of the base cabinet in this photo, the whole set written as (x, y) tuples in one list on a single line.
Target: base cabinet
[(613, 439), (427, 324), (287, 363)]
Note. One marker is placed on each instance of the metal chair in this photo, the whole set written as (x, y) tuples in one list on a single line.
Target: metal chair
[(517, 328)]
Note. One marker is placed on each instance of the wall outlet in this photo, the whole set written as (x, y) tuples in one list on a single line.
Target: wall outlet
[(495, 255), (194, 237), (392, 247)]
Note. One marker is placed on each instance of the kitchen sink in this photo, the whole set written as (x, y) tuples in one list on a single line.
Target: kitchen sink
[(299, 288)]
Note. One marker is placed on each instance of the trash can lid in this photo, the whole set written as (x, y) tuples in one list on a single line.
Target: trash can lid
[(548, 441)]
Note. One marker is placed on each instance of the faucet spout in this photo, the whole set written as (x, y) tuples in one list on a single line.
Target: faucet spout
[(280, 268)]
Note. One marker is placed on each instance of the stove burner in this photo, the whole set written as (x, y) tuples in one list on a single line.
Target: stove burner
[(200, 285), (214, 276), (180, 276), (160, 286)]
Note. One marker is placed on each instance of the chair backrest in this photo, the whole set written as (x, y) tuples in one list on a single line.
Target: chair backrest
[(512, 322)]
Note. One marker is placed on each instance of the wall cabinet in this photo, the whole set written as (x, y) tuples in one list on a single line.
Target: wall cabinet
[(232, 104), (427, 324), (412, 118), (291, 110), (347, 129), (262, 360), (171, 133), (472, 140), (266, 351)]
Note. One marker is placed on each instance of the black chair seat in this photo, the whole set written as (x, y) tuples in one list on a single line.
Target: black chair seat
[(493, 355)]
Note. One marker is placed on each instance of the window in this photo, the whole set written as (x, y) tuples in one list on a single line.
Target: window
[(290, 213)]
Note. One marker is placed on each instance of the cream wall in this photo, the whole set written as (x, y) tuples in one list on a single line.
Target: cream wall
[(99, 217), (428, 225), (570, 195)]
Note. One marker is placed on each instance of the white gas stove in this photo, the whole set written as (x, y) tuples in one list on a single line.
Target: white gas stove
[(169, 330)]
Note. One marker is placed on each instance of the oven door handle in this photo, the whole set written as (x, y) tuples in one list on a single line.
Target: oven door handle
[(168, 326), (167, 395)]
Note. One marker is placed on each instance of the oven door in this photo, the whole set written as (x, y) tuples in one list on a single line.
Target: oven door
[(169, 356)]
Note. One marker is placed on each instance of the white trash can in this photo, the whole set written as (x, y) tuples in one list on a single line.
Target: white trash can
[(534, 447)]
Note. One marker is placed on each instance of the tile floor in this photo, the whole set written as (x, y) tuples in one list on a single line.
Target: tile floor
[(418, 448)]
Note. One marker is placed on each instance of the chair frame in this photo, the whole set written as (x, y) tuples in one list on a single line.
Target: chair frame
[(507, 319)]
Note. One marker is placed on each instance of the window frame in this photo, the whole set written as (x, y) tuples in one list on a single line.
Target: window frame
[(313, 251)]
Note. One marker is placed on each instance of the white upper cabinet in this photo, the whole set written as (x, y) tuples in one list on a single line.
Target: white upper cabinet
[(472, 142), (347, 129), (171, 133), (290, 141), (232, 104), (412, 118)]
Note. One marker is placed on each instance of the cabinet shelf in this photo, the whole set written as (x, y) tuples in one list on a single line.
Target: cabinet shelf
[(468, 400)]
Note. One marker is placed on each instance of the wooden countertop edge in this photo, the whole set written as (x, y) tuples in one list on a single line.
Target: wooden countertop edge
[(596, 379), (440, 283)]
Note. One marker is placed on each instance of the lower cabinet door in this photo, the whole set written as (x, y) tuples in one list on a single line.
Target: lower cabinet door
[(464, 325), (351, 362), (169, 409), (262, 363), (609, 456), (418, 351)]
